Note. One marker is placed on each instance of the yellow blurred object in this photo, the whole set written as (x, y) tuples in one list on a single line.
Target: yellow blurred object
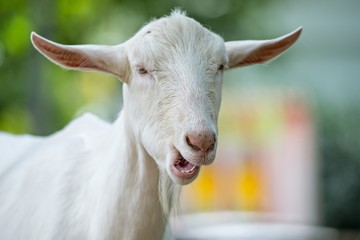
[(202, 191), (250, 186)]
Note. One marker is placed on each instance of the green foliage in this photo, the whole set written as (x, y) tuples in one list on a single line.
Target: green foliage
[(340, 158), (16, 35)]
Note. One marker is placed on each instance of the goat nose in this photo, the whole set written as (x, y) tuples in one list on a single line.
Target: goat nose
[(201, 141)]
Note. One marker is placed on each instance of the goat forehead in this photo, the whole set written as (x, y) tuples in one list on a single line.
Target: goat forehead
[(175, 38)]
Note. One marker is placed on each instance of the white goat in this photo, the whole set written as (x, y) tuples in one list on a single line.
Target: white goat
[(94, 180)]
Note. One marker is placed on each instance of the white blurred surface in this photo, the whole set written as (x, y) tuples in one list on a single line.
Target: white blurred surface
[(236, 225)]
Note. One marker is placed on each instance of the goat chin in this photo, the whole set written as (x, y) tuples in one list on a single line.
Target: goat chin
[(169, 194)]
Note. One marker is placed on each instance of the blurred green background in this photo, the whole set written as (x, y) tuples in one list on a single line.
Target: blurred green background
[(39, 98)]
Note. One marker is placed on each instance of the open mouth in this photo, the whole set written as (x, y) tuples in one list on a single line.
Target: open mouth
[(184, 169)]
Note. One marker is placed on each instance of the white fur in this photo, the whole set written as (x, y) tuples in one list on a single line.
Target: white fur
[(94, 180)]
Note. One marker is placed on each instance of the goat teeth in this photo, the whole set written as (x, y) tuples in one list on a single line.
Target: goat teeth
[(190, 170)]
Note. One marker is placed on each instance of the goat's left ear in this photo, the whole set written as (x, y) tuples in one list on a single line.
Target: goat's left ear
[(109, 59), (244, 53)]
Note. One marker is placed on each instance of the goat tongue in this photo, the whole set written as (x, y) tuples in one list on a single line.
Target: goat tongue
[(184, 166)]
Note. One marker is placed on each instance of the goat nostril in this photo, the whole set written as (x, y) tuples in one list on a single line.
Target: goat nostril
[(211, 148), (201, 142), (188, 141)]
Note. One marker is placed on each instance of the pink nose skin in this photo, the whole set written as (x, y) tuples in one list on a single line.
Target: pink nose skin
[(201, 141)]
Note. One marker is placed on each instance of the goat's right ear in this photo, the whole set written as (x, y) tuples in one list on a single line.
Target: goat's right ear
[(109, 59)]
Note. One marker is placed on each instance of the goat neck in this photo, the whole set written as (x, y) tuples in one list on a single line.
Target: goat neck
[(138, 213)]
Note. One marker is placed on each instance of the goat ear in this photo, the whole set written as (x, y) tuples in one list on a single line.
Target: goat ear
[(244, 53), (109, 59)]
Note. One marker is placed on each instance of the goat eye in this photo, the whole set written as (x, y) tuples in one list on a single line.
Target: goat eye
[(142, 71), (221, 67)]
